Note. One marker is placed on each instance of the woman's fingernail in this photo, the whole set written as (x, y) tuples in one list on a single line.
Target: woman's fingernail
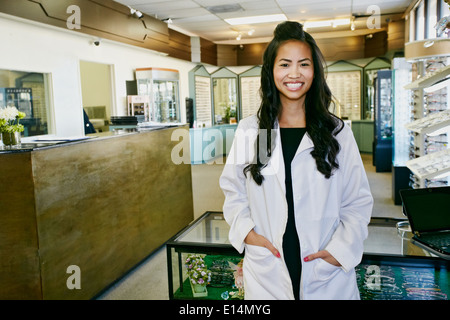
[(278, 255), (306, 259)]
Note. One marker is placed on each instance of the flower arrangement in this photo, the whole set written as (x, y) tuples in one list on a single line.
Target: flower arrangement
[(197, 270), (9, 120)]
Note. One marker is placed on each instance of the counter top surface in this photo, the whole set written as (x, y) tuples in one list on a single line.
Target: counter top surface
[(43, 142)]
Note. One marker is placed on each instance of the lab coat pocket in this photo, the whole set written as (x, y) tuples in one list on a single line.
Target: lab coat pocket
[(322, 276), (257, 252), (261, 270), (323, 271)]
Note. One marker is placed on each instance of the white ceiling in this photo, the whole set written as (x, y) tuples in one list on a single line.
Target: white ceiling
[(192, 17)]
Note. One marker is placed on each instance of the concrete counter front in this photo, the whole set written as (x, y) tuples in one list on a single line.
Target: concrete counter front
[(76, 217)]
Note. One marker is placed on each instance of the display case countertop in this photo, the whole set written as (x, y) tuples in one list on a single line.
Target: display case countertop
[(50, 141)]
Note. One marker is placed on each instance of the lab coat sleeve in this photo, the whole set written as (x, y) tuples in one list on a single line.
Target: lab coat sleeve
[(346, 244), (236, 208)]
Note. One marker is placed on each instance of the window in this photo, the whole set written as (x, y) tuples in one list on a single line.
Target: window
[(432, 18), (420, 22), (29, 93)]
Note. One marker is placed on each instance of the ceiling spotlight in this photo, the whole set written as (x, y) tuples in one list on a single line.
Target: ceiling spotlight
[(251, 32), (352, 25), (135, 13), (168, 21), (239, 37)]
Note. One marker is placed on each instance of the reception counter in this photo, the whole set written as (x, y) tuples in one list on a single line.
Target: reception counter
[(77, 216)]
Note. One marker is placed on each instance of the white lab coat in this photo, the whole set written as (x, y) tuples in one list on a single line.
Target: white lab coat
[(331, 214)]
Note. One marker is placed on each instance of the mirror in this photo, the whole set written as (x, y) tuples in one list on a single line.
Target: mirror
[(225, 96)]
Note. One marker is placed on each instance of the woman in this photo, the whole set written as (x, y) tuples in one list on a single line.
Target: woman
[(297, 197)]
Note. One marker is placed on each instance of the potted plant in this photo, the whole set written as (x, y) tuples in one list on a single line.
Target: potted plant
[(199, 275), (10, 128)]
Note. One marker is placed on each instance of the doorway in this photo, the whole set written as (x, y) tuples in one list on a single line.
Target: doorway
[(97, 93)]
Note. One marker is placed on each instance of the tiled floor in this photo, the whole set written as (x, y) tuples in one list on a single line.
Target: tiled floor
[(148, 281)]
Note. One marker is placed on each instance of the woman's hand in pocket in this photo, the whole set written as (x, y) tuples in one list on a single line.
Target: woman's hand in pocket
[(324, 255), (256, 239)]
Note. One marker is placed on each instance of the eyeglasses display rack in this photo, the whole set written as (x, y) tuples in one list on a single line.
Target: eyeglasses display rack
[(383, 121), (430, 123)]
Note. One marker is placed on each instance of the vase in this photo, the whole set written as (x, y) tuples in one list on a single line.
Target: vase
[(11, 138), (199, 290)]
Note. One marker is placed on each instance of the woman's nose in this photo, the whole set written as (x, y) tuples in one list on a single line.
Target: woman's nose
[(294, 72)]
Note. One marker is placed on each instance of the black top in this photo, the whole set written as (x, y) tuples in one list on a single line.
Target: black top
[(290, 140)]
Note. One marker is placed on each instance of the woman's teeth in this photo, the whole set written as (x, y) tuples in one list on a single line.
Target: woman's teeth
[(294, 85)]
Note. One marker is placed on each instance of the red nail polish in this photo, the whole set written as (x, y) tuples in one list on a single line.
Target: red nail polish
[(306, 259), (278, 255)]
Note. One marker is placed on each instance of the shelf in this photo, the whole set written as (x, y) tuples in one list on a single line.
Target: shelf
[(430, 166), (431, 123), (429, 79)]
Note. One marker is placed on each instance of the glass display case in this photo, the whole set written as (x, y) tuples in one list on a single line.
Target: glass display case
[(383, 121), (162, 86), (392, 266), (207, 236)]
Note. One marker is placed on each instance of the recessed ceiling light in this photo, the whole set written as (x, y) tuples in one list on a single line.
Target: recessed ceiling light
[(256, 19), (326, 23)]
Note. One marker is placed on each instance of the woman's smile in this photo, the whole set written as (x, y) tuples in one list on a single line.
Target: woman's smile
[(294, 85)]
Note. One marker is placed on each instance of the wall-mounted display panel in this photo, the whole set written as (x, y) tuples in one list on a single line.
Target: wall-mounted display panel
[(203, 105), (346, 89), (250, 83), (200, 92)]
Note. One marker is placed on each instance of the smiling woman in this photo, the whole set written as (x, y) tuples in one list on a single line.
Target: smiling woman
[(301, 210)]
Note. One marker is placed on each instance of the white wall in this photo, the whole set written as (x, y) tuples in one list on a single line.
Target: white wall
[(36, 47)]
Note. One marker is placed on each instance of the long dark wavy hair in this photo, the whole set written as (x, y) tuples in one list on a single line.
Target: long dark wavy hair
[(321, 125)]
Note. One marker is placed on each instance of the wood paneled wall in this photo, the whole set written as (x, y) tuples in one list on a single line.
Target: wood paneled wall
[(333, 49), (343, 48), (376, 45), (111, 20), (100, 18), (226, 55), (250, 54), (208, 51), (396, 35), (105, 19), (179, 45)]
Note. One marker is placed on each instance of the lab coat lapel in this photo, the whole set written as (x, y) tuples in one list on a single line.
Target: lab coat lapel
[(278, 159), (305, 144)]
